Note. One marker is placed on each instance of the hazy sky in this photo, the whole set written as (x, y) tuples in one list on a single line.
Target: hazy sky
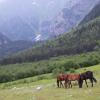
[(44, 9), (41, 8)]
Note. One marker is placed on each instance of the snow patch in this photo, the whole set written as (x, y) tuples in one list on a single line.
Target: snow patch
[(38, 37)]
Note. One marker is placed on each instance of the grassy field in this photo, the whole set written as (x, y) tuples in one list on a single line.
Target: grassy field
[(27, 89)]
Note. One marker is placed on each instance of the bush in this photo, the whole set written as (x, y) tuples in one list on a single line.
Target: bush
[(72, 70), (58, 71), (71, 64)]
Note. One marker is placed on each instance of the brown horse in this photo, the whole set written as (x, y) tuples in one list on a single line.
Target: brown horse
[(67, 78), (71, 77)]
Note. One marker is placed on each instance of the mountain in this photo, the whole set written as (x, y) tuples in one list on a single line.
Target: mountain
[(8, 47), (85, 38), (14, 47), (95, 12), (69, 17), (17, 28), (41, 19), (19, 19)]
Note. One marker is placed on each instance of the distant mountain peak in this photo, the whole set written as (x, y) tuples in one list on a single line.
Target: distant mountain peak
[(95, 12)]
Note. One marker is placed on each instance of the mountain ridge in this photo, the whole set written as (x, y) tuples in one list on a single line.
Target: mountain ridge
[(68, 18), (8, 47), (95, 12), (21, 21), (85, 38)]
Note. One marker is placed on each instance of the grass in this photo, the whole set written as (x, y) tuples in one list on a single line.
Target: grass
[(19, 90)]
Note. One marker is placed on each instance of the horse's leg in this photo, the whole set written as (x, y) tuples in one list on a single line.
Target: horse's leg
[(80, 83), (66, 84), (70, 84), (58, 83), (91, 80), (86, 83), (62, 84)]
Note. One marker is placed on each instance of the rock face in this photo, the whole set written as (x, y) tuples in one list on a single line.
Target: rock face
[(19, 19), (17, 28), (95, 12), (41, 19), (68, 18)]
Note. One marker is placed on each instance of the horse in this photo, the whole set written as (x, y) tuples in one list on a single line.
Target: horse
[(71, 77), (60, 78), (67, 78), (87, 75)]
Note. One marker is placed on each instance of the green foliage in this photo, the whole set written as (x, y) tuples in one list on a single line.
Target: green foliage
[(58, 71), (72, 70), (54, 65)]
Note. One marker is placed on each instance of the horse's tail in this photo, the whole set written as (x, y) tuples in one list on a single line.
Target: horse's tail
[(57, 82), (94, 79)]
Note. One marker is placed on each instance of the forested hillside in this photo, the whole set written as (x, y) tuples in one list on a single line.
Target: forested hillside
[(81, 39), (14, 47), (53, 65)]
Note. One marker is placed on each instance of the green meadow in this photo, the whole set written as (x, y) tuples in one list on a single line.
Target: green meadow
[(29, 88)]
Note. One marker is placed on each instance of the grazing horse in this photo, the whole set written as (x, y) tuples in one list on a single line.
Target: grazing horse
[(87, 75), (71, 77), (61, 78), (67, 78)]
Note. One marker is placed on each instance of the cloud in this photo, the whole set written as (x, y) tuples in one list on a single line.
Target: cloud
[(51, 3), (34, 3)]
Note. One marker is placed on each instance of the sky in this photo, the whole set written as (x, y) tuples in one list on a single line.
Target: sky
[(2, 1), (43, 9)]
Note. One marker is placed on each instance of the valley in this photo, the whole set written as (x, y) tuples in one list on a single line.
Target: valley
[(41, 39)]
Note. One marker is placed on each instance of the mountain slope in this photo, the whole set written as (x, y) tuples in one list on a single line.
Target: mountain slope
[(8, 47), (17, 28), (69, 17), (95, 12), (82, 39), (21, 19), (14, 47)]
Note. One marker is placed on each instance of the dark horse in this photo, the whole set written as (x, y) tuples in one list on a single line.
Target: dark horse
[(67, 78), (86, 75)]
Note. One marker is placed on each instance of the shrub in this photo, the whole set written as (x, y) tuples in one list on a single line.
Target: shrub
[(72, 70), (58, 71)]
